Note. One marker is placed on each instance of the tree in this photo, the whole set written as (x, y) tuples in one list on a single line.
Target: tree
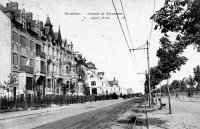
[(9, 84), (197, 77), (183, 84), (182, 17), (164, 88), (169, 60), (175, 85), (72, 88), (191, 82), (156, 77)]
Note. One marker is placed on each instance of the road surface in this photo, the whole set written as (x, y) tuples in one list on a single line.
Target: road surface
[(98, 119)]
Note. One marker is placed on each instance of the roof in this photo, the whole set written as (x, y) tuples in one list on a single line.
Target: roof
[(29, 16), (2, 7), (110, 83), (90, 65), (17, 13), (48, 22), (33, 23), (99, 73), (46, 30), (113, 82)]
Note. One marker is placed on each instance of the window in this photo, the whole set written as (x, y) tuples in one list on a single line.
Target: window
[(60, 70), (23, 61), (29, 83), (42, 67), (49, 83), (15, 37), (32, 63), (31, 45), (67, 69), (15, 47), (94, 90), (38, 48), (23, 41), (93, 83), (15, 59)]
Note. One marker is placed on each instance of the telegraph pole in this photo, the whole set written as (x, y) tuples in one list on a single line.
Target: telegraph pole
[(148, 67)]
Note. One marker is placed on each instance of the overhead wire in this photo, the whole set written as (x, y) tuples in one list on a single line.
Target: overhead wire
[(122, 30), (120, 25), (154, 5), (128, 31)]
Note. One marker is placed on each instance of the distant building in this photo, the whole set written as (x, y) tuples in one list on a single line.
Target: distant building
[(115, 88), (123, 91), (129, 91)]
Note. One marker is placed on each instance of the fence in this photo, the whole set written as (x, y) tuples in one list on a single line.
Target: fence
[(18, 104)]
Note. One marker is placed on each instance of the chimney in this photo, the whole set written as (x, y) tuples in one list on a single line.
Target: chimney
[(12, 5)]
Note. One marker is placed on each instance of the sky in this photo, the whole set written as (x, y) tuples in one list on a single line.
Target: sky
[(101, 41)]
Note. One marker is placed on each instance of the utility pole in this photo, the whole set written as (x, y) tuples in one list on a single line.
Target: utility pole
[(148, 67)]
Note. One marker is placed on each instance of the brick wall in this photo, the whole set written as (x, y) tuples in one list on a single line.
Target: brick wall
[(5, 47)]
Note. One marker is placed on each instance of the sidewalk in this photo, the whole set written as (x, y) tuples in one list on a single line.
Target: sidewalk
[(185, 115), (10, 115), (35, 118), (187, 99)]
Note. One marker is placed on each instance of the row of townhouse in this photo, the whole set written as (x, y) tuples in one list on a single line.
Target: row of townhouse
[(43, 63), (99, 85)]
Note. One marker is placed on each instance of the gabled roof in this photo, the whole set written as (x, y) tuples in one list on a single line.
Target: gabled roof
[(90, 65), (113, 82), (59, 38), (48, 22)]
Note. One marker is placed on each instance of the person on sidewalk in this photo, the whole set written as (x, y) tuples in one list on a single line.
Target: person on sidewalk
[(161, 104)]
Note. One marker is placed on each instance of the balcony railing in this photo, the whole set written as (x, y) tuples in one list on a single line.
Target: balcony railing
[(41, 54), (26, 69)]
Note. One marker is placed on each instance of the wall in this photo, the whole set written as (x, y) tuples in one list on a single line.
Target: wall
[(5, 49)]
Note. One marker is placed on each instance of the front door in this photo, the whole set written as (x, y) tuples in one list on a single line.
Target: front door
[(14, 93)]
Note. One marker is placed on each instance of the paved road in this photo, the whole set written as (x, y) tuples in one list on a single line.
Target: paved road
[(98, 119)]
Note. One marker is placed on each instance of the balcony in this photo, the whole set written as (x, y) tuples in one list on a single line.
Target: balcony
[(41, 54), (67, 62), (26, 69)]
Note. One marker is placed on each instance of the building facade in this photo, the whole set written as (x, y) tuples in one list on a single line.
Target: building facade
[(5, 50), (44, 64)]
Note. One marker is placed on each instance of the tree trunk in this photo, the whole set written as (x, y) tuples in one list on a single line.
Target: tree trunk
[(169, 97)]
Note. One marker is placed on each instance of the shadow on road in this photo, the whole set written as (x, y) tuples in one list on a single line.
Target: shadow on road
[(152, 122), (129, 120)]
